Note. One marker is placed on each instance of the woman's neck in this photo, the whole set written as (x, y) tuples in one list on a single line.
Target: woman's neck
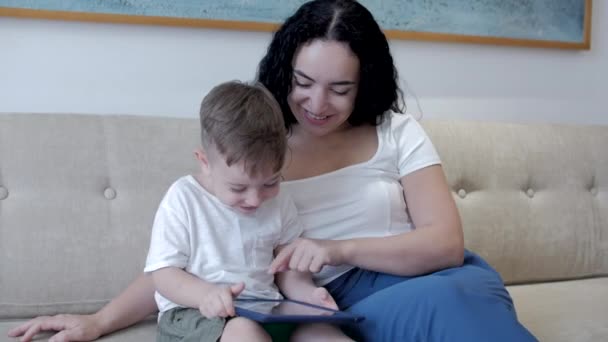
[(310, 155), (334, 138)]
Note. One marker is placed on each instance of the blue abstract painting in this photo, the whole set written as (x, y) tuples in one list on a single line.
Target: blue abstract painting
[(549, 20)]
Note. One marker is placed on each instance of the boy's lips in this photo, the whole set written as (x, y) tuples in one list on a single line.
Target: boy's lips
[(248, 209)]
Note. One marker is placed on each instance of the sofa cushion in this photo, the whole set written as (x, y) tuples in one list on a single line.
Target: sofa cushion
[(566, 311)]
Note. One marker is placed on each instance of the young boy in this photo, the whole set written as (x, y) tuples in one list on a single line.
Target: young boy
[(215, 232)]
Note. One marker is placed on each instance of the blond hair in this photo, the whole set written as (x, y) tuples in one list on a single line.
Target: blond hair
[(244, 123)]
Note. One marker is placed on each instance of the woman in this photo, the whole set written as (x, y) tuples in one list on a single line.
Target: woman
[(382, 232)]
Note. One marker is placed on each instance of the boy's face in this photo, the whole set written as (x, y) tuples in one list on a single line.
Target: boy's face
[(233, 186)]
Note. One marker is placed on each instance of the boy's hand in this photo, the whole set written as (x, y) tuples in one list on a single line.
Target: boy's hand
[(321, 297), (219, 300)]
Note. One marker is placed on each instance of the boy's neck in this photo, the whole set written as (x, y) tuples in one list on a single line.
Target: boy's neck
[(203, 182)]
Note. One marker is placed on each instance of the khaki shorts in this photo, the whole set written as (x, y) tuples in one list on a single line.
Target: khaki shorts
[(188, 325)]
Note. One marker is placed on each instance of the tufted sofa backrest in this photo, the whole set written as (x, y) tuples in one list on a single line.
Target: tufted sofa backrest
[(82, 193), (533, 198), (78, 194)]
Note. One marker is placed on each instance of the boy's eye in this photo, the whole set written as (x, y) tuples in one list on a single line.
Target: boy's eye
[(237, 190), (271, 185)]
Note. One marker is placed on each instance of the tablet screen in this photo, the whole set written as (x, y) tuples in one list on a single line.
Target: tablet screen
[(283, 308)]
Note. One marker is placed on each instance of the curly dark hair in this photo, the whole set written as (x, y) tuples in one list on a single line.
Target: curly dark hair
[(343, 21)]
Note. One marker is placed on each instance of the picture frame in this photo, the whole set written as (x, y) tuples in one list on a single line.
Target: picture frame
[(564, 24)]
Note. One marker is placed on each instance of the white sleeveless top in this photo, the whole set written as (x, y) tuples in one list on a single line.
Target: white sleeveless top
[(365, 199)]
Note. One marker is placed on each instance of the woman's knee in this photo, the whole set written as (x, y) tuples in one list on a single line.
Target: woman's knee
[(427, 308), (427, 294), (243, 329), (443, 290)]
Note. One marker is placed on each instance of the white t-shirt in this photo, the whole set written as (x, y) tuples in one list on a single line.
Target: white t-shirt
[(365, 199), (194, 231)]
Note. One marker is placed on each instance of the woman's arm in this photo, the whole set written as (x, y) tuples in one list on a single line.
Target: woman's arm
[(134, 304), (436, 243), (131, 306)]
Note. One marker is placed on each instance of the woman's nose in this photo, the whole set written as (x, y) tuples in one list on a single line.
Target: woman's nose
[(318, 101)]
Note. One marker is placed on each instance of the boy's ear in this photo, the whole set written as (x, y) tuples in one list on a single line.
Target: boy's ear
[(202, 158)]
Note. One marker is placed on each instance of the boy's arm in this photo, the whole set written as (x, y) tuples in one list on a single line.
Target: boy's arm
[(300, 286), (180, 287), (296, 285), (188, 290)]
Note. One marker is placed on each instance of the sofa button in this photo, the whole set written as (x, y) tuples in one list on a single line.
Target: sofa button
[(3, 193), (530, 193), (462, 193), (109, 193), (594, 191)]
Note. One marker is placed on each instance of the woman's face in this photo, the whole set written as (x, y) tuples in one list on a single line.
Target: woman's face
[(324, 88)]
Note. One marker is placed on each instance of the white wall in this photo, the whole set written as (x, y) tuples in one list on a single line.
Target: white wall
[(54, 66)]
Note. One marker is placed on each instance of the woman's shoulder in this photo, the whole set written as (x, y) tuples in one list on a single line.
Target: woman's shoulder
[(407, 143), (397, 125)]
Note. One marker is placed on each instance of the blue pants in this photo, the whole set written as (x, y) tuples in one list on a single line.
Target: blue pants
[(468, 303)]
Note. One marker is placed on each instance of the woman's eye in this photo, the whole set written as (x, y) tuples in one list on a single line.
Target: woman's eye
[(271, 185), (340, 92), (300, 84), (237, 190)]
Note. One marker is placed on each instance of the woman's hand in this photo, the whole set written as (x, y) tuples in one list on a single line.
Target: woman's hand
[(308, 255), (69, 327)]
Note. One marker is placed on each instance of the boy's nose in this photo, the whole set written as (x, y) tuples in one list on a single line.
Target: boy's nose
[(254, 199)]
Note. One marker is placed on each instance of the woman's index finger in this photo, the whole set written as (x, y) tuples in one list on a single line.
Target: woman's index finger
[(281, 260)]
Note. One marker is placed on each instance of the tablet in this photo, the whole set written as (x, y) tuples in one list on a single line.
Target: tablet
[(290, 311)]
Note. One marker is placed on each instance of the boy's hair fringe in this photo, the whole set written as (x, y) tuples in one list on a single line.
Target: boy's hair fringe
[(243, 122)]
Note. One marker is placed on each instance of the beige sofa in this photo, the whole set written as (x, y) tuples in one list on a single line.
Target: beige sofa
[(78, 194)]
